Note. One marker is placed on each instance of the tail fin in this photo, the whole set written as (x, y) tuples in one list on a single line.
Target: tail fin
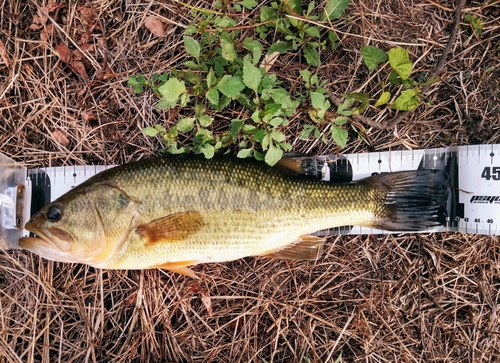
[(411, 200)]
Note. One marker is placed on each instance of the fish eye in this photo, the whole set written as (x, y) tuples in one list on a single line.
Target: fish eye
[(54, 213)]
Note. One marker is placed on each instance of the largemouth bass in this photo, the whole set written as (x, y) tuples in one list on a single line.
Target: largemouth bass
[(176, 212)]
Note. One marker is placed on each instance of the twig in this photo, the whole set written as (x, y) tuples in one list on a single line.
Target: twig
[(439, 68)]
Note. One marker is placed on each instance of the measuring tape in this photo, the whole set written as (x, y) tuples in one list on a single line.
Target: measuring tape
[(473, 204)]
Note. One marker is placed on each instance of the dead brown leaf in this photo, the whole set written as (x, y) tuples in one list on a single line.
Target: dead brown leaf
[(88, 47), (88, 116), (42, 15), (64, 53), (88, 15), (79, 68), (269, 60), (71, 58), (155, 26), (46, 33), (60, 137), (207, 302)]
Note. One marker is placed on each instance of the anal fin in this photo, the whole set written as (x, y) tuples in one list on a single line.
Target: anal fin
[(180, 267), (306, 248)]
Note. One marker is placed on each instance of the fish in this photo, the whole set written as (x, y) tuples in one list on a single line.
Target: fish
[(179, 211)]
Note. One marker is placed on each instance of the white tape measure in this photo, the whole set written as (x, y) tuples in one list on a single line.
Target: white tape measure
[(473, 204)]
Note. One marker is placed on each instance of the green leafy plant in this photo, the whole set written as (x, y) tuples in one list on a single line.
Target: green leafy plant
[(299, 32), (138, 83), (475, 22), (401, 69), (320, 114), (222, 71)]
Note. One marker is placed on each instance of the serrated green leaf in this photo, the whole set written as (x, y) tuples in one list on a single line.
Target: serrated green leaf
[(272, 109), (335, 8), (205, 120), (245, 101), (306, 77), (317, 100), (191, 29), (394, 78), (260, 135), (282, 97), (399, 59), (273, 155), (372, 56), (256, 117), (269, 81), (383, 99), (150, 131), (191, 64), (251, 74), (312, 31), (208, 151), (280, 47), (343, 108), (255, 47), (138, 89), (265, 141), (202, 136), (339, 121), (267, 13), (230, 86), (308, 129), (213, 97), (223, 102), (278, 121), (258, 155), (236, 126), (310, 7), (244, 153), (334, 39), (170, 92), (249, 4), (186, 124), (223, 22), (295, 5), (285, 146), (339, 135), (227, 47), (407, 101), (211, 79), (278, 136), (311, 54), (192, 46)]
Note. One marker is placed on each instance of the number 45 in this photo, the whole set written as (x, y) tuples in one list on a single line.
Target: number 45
[(491, 173)]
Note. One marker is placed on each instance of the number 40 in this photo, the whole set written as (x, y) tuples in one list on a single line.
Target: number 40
[(491, 173)]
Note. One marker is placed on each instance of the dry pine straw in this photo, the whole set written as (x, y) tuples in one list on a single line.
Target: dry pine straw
[(432, 297)]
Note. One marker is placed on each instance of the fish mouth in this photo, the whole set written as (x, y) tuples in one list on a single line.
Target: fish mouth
[(48, 242)]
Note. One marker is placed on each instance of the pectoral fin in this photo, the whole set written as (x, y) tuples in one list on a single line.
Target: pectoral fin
[(172, 228), (179, 267), (306, 248)]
